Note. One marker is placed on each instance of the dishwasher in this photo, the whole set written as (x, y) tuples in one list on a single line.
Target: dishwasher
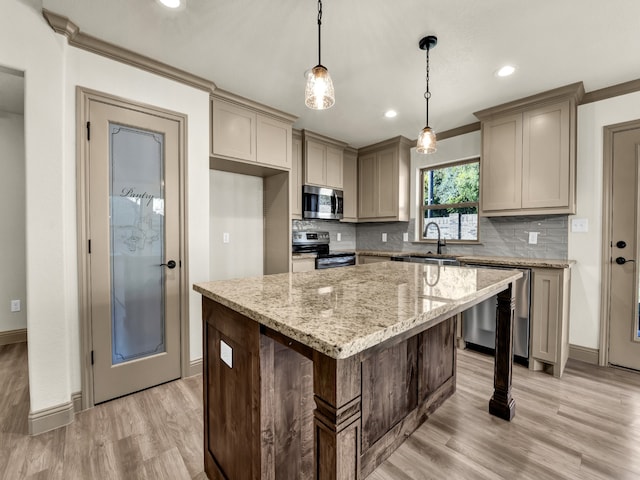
[(479, 322)]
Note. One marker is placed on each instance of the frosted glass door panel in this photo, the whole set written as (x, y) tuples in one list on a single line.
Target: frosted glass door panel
[(137, 243)]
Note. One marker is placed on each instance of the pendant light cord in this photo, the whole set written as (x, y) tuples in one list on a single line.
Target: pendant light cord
[(319, 25), (427, 93)]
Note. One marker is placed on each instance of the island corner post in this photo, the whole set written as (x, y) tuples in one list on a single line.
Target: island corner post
[(502, 405), (287, 410)]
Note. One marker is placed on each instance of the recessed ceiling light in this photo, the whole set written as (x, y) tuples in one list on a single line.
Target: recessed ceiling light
[(505, 71), (390, 114), (170, 3)]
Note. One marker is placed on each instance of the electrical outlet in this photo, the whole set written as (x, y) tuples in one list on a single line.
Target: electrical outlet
[(225, 237), (338, 237), (405, 237), (384, 237), (15, 305), (579, 225), (533, 237)]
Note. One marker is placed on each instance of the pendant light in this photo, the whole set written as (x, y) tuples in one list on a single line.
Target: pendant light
[(319, 93), (427, 138)]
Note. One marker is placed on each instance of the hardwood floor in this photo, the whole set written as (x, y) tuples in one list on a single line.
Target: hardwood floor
[(583, 426)]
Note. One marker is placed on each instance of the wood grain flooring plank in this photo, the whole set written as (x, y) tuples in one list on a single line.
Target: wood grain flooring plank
[(583, 426)]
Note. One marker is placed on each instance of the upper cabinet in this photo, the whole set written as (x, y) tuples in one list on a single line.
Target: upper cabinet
[(383, 181), (322, 164), (528, 164), (246, 131)]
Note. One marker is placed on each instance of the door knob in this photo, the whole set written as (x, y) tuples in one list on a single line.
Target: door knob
[(622, 260), (169, 264), (621, 244)]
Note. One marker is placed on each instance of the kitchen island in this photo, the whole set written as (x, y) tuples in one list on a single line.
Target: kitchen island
[(324, 374)]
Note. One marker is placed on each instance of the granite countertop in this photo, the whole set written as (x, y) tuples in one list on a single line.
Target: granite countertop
[(343, 311), (516, 261), (480, 259)]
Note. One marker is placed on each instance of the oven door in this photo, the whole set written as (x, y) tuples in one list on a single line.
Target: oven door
[(322, 203)]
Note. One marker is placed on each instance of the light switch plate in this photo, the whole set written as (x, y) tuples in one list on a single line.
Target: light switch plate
[(338, 237), (225, 237), (405, 237), (533, 237), (226, 354), (15, 305), (579, 225), (384, 237)]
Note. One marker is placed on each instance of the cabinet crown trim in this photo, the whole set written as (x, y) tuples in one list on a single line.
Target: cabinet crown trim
[(574, 91), (253, 105), (391, 142), (309, 135)]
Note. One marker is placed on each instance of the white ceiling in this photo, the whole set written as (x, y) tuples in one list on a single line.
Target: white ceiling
[(260, 50)]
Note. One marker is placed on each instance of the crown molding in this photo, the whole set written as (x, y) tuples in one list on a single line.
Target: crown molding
[(612, 91), (62, 25)]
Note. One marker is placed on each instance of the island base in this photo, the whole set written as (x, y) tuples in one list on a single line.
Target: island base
[(275, 408)]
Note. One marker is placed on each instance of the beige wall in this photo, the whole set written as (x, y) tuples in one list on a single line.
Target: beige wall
[(236, 208), (13, 282)]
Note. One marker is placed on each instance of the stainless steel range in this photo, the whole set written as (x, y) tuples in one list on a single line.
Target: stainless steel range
[(318, 242)]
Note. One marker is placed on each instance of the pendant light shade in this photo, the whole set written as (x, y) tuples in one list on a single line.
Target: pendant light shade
[(427, 138), (426, 141), (319, 93)]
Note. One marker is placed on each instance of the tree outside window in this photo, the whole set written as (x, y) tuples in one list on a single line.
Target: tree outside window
[(450, 198)]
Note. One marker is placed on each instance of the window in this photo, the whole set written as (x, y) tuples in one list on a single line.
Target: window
[(450, 200)]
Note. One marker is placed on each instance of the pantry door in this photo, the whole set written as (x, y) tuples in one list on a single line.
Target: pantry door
[(623, 146), (134, 256)]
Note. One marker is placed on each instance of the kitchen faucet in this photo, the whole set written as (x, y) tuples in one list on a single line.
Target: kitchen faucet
[(441, 242)]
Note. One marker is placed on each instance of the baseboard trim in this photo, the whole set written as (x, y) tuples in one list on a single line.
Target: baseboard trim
[(51, 418), (13, 336), (584, 354), (195, 367), (76, 399)]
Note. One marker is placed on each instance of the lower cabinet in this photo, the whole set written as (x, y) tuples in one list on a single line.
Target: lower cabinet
[(550, 319), (362, 259)]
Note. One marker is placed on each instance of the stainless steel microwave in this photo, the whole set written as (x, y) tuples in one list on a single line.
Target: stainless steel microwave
[(321, 202)]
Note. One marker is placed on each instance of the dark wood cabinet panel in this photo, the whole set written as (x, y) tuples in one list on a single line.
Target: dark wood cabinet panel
[(389, 389), (231, 402), (436, 355)]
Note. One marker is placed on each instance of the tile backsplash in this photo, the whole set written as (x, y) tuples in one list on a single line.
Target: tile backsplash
[(499, 236)]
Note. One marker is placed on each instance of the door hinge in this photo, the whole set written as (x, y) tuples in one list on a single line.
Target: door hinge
[(91, 357), (88, 131), (89, 245)]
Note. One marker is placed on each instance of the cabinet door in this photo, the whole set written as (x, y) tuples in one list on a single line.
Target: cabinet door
[(545, 157), (546, 299), (366, 186), (333, 165), (273, 142), (501, 164), (350, 186), (315, 163), (387, 183), (233, 131)]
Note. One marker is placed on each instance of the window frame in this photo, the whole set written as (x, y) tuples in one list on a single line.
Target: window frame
[(423, 208)]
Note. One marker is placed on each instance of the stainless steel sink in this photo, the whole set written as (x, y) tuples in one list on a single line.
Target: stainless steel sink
[(433, 260)]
